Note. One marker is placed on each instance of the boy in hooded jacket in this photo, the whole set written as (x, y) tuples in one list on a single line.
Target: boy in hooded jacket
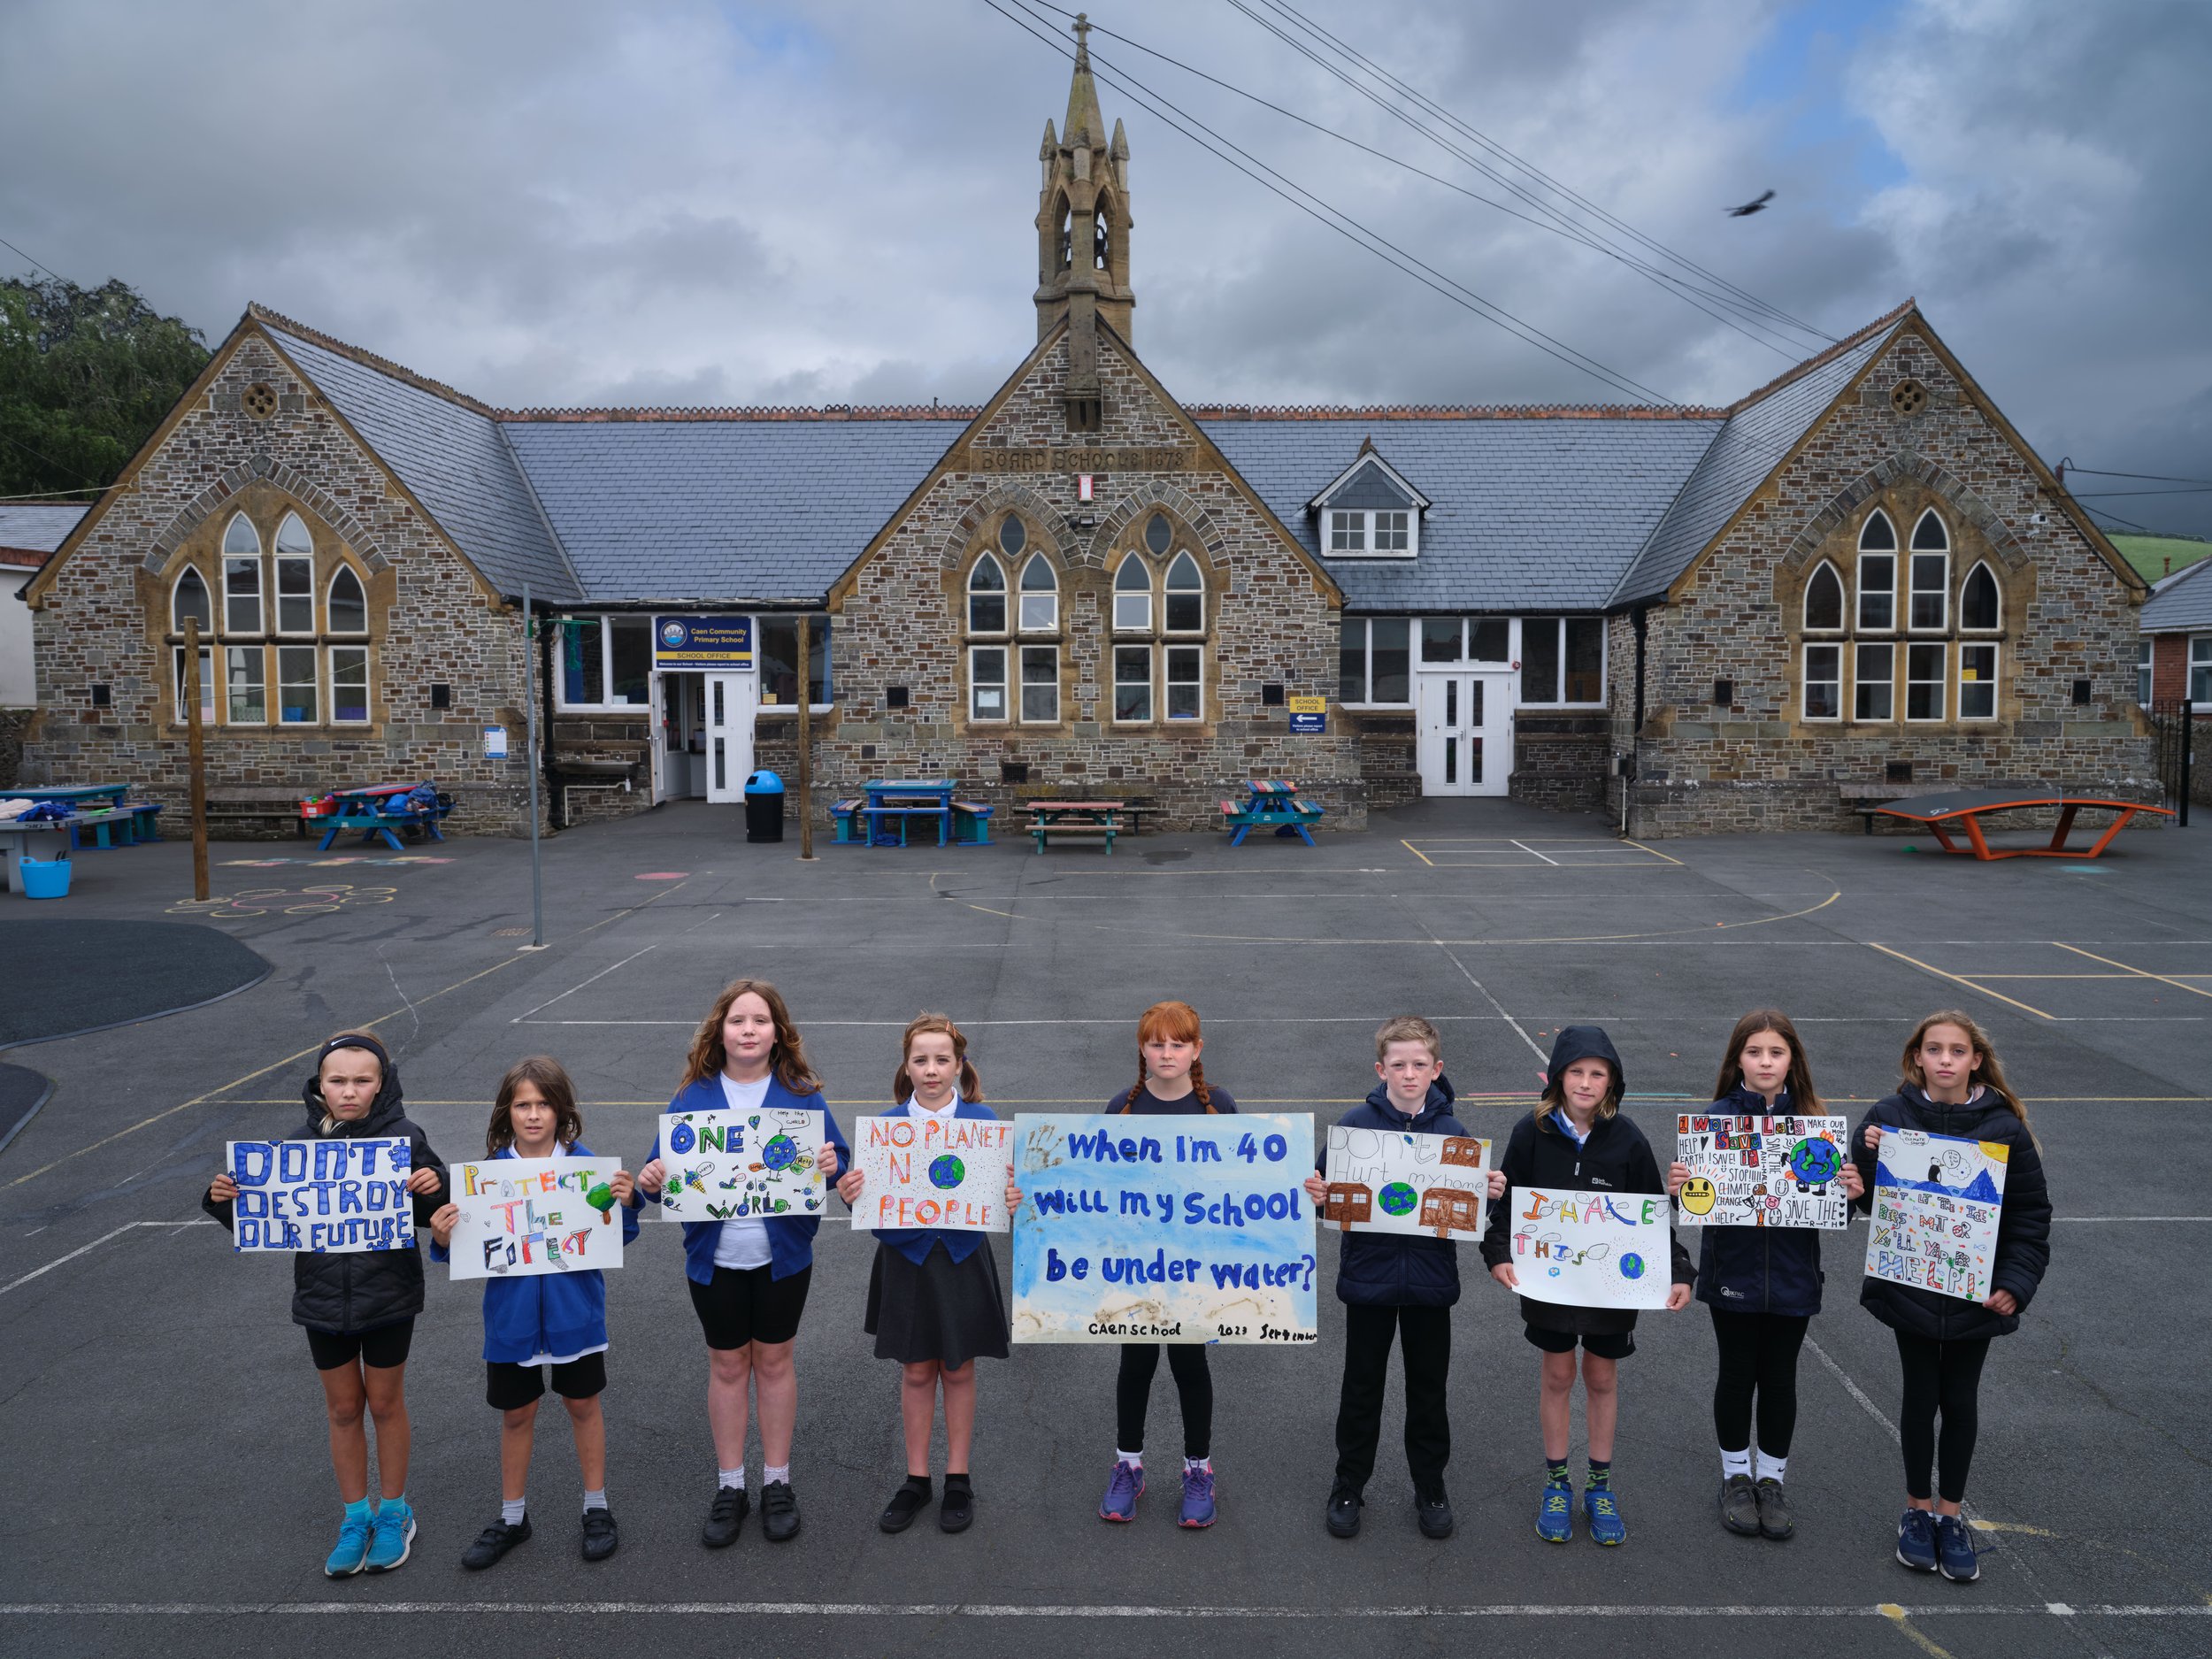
[(1400, 1285)]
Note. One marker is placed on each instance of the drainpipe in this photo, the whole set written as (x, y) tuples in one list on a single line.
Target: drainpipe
[(1636, 731)]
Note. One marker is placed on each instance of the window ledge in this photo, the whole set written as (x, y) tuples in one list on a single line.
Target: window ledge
[(791, 709)]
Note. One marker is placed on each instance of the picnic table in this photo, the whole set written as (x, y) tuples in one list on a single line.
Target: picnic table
[(1269, 801), (382, 810), (78, 795), (1047, 818), (1963, 809), (894, 803)]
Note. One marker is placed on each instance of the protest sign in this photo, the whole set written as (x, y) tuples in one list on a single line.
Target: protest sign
[(1937, 1200), (1164, 1229), (332, 1197), (1591, 1249), (1389, 1180), (926, 1172), (1763, 1171), (731, 1165), (522, 1217)]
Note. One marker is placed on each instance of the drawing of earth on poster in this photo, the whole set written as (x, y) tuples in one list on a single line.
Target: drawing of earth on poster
[(1164, 1229), (1387, 1180), (1937, 1201), (730, 1166), (1762, 1172), (1591, 1249)]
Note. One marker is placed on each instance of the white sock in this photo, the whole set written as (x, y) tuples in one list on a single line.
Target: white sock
[(596, 1499), (1771, 1468), (770, 1473), (1734, 1463), (1206, 1463), (1135, 1460), (511, 1510), (732, 1478)]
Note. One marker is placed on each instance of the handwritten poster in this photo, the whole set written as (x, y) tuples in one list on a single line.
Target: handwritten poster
[(522, 1217), (1164, 1229), (1937, 1199), (1593, 1249), (730, 1166), (1763, 1171), (924, 1171), (1388, 1180), (332, 1197)]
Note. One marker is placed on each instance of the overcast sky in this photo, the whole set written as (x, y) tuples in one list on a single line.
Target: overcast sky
[(572, 202)]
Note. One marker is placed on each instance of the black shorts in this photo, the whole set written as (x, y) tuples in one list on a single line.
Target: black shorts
[(509, 1387), (745, 1305), (383, 1349), (1606, 1344)]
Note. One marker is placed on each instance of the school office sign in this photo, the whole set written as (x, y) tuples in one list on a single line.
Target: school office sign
[(713, 642)]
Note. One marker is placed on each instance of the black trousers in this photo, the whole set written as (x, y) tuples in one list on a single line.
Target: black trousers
[(1758, 1355), (1424, 1338), (1194, 1385), (1944, 1377)]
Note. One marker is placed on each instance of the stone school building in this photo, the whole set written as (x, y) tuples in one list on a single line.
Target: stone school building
[(1857, 580)]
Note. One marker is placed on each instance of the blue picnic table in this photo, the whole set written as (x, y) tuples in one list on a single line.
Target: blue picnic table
[(78, 795), (895, 802), (383, 809), (1269, 802), (100, 815)]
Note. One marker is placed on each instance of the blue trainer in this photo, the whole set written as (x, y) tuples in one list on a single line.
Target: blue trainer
[(1122, 1493), (1954, 1550), (1916, 1541), (352, 1553), (1555, 1515), (392, 1536), (1604, 1514), (1198, 1496)]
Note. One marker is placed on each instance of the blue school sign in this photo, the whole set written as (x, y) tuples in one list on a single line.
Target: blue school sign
[(1308, 716), (714, 642)]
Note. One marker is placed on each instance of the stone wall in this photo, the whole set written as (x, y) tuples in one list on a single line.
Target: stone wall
[(1560, 760), (15, 724)]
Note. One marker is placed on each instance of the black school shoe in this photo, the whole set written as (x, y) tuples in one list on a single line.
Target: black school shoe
[(726, 1517), (494, 1541), (1343, 1511), (907, 1503), (1434, 1513), (957, 1511), (599, 1535), (779, 1512)]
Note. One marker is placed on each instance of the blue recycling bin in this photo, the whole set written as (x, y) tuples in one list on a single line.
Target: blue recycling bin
[(764, 807)]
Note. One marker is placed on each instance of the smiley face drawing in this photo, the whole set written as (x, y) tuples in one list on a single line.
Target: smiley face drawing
[(1698, 1196)]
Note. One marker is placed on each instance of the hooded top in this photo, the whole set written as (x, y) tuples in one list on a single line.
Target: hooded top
[(1759, 1270), (364, 1289), (1587, 1043), (1399, 1269)]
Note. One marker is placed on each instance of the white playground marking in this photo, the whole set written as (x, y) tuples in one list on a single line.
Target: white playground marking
[(1010, 1611)]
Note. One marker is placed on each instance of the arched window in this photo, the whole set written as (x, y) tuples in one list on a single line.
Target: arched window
[(1158, 534), (986, 597), (1978, 600), (1040, 597), (1101, 236), (349, 604), (189, 598), (1931, 585), (1186, 596), (1132, 597), (1066, 216), (1824, 600), (242, 576), (1878, 573), (294, 577)]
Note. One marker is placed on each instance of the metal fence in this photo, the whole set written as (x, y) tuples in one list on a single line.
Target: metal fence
[(2172, 729)]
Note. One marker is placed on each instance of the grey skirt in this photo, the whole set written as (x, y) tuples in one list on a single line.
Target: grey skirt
[(943, 1310)]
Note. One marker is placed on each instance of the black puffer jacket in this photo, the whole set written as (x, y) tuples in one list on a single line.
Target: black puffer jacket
[(1759, 1270), (1398, 1269), (368, 1288), (2023, 1221)]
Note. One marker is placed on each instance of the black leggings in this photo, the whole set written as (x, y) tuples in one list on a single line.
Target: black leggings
[(1758, 1354), (1194, 1383), (1945, 1377)]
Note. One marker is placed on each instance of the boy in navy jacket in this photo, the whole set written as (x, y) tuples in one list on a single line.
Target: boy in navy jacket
[(1397, 1285)]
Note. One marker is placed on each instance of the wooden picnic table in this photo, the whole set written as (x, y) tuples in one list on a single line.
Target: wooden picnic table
[(901, 800), (1269, 802), (1964, 808), (1047, 818)]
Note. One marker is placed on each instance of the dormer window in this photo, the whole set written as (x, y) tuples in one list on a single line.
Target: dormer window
[(1368, 511)]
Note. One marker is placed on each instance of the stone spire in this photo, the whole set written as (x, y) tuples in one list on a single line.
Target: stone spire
[(1084, 121), (1083, 223)]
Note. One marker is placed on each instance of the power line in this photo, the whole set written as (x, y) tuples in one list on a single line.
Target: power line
[(19, 254), (2153, 477), (49, 459), (2115, 495)]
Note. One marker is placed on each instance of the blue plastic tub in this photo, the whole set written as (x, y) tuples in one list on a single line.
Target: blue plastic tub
[(45, 878)]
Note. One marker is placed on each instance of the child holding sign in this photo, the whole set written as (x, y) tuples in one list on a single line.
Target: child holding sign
[(933, 1298), (748, 1277), (530, 1323), (1762, 1284), (1954, 1086), (1400, 1285), (1577, 1140), (359, 1310)]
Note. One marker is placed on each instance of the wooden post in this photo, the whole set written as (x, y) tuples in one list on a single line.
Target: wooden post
[(195, 753), (806, 736)]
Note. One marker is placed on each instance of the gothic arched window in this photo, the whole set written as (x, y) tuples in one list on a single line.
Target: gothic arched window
[(1132, 597), (1186, 596), (1040, 597), (986, 597)]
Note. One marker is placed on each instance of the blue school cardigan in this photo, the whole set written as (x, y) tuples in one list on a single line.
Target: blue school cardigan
[(544, 1313), (914, 1243), (790, 1238)]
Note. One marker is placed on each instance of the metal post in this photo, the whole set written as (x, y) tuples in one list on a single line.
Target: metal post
[(530, 757), (806, 737), (195, 751), (2188, 724)]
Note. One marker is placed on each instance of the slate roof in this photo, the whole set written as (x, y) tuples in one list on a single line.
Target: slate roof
[(2182, 603), (37, 529)]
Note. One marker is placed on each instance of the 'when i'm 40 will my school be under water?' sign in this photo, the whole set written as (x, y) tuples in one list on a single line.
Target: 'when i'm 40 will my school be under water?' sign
[(523, 1216), (1593, 1249), (330, 1197), (1164, 1229)]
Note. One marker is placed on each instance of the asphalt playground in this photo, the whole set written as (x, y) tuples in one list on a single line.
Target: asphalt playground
[(168, 1485)]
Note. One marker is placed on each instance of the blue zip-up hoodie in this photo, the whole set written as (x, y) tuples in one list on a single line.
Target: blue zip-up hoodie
[(790, 1238), (1759, 1270), (545, 1313), (914, 1243), (1396, 1269)]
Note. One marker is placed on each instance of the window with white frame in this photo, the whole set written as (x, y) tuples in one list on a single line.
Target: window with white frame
[(1186, 682), (986, 684), (605, 662), (296, 684), (987, 597), (1392, 532), (2143, 658), (1132, 685), (1978, 682), (1385, 533), (294, 577), (181, 701), (1873, 683), (1039, 595), (1186, 595), (347, 603), (189, 599), (1563, 660), (1823, 601), (1040, 685), (1928, 607), (2201, 670), (349, 685), (1374, 662), (241, 577), (245, 685), (1925, 679), (1132, 597), (1877, 574), (1979, 611), (1348, 532), (1824, 682)]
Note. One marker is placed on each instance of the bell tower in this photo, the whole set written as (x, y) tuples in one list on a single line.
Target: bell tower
[(1083, 234)]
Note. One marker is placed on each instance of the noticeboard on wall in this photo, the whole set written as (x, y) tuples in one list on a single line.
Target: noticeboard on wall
[(725, 643)]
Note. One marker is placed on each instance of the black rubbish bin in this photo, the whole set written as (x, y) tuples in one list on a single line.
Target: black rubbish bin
[(764, 807)]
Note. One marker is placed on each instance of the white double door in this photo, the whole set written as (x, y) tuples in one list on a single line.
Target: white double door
[(1464, 728), (730, 705)]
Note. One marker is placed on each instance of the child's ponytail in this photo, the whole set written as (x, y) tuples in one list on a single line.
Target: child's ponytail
[(1198, 1084)]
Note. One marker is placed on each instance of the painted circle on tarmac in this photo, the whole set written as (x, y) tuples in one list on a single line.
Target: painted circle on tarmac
[(681, 1140), (1815, 1162), (1698, 1195), (780, 1152), (1631, 1265), (946, 1172), (1397, 1199)]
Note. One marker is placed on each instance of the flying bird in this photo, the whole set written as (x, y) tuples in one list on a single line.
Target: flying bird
[(1749, 208)]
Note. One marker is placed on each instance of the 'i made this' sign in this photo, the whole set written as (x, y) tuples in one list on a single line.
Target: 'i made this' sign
[(1390, 1180), (1164, 1229), (1762, 1170), (330, 1197), (1591, 1249), (742, 1165), (521, 1217), (927, 1172), (1936, 1201)]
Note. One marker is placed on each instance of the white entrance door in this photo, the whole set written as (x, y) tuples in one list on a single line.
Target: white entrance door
[(1465, 733), (729, 722)]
